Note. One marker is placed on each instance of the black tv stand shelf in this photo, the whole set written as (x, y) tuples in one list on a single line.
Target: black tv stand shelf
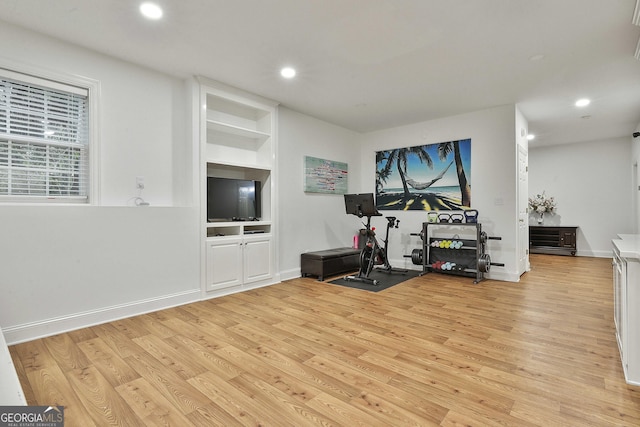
[(553, 239)]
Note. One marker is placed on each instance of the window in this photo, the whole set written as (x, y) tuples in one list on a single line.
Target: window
[(44, 140)]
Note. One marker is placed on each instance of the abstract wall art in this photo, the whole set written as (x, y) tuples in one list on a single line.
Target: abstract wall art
[(325, 176)]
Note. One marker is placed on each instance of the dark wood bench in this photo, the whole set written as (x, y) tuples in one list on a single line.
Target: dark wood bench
[(329, 262)]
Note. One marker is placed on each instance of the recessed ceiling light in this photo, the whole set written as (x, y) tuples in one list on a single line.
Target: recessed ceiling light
[(531, 136), (151, 10), (583, 102), (288, 72)]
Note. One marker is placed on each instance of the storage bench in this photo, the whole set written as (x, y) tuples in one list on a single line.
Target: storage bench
[(329, 262)]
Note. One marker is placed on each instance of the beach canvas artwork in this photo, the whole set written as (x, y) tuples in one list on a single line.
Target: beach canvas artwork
[(428, 177)]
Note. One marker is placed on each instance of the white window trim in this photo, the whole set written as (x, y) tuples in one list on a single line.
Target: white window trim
[(93, 88)]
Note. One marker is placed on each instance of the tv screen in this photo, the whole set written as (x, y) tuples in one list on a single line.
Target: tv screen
[(233, 199)]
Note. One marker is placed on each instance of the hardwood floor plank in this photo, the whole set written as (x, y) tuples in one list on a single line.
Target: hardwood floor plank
[(102, 402), (49, 384), (482, 413), (212, 416), (238, 405), (270, 399), (118, 341), (267, 372), (150, 405), (173, 387), (170, 355), (113, 368), (206, 357), (389, 412), (445, 382), (154, 324), (343, 413), (274, 338), (65, 352)]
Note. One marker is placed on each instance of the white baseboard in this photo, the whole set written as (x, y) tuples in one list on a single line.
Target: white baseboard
[(31, 331), (294, 273), (596, 254)]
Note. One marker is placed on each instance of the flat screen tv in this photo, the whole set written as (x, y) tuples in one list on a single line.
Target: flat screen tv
[(233, 199)]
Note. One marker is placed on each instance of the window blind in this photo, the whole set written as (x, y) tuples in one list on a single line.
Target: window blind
[(44, 147)]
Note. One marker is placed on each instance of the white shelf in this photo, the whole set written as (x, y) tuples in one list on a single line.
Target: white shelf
[(230, 129), (237, 223)]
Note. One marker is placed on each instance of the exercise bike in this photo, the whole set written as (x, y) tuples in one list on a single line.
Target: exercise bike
[(372, 254)]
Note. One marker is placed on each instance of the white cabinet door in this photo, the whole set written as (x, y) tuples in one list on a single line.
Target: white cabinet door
[(257, 259), (224, 263), (631, 320), (619, 297)]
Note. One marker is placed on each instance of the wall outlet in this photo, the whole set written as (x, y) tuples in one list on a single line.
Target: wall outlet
[(140, 182)]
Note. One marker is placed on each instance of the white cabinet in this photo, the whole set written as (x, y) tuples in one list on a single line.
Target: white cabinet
[(626, 297), (257, 259), (238, 139), (224, 263), (234, 262)]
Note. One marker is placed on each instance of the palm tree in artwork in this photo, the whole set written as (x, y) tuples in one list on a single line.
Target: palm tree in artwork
[(381, 174), (446, 148), (399, 156)]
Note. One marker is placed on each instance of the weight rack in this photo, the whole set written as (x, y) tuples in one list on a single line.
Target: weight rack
[(469, 256)]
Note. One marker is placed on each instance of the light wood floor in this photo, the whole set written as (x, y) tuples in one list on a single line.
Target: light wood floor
[(435, 350)]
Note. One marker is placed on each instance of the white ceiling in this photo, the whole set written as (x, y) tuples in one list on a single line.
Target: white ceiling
[(374, 64)]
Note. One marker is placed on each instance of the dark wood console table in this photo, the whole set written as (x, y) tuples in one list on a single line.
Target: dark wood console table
[(560, 240)]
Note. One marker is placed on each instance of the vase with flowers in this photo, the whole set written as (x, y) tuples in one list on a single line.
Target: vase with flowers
[(541, 204)]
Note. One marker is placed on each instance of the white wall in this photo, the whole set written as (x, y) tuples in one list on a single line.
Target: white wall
[(493, 180), (635, 191), (67, 266), (592, 185), (142, 116), (311, 221)]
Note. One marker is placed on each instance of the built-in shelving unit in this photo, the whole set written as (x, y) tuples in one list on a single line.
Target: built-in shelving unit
[(238, 139)]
